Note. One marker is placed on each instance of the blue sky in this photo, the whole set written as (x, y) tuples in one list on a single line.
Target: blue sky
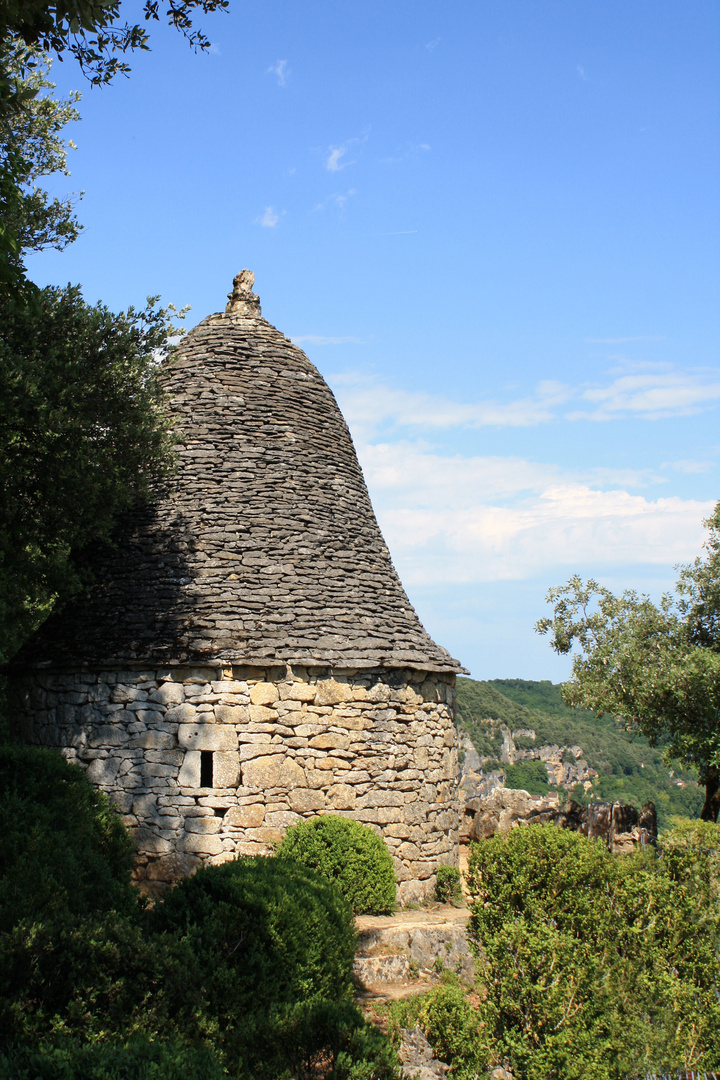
[(494, 227)]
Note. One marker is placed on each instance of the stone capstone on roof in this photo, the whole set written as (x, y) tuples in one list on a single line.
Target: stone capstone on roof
[(265, 549)]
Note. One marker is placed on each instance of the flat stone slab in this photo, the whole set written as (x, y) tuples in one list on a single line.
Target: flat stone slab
[(396, 949)]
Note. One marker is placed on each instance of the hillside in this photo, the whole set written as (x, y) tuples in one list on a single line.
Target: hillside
[(628, 769)]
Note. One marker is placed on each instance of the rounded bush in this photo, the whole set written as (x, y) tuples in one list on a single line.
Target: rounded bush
[(266, 930), (350, 855), (63, 849)]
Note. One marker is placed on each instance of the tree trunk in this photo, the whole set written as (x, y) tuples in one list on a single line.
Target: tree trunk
[(712, 795)]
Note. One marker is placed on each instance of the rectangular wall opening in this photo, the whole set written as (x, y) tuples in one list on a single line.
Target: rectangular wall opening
[(206, 768)]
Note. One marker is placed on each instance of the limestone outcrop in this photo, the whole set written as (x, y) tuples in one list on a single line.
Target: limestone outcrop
[(621, 827)]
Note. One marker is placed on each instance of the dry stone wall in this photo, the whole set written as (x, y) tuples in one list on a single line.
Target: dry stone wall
[(208, 763)]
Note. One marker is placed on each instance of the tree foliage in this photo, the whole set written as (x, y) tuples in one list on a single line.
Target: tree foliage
[(92, 31), (656, 668), (84, 437), (31, 147)]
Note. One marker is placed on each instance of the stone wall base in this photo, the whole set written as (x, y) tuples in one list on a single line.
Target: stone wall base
[(205, 764)]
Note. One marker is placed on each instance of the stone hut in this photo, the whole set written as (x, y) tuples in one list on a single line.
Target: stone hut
[(246, 655)]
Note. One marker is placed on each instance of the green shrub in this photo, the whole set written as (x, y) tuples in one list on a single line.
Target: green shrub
[(597, 965), (453, 1027), (137, 1059), (448, 885), (63, 849), (350, 855), (275, 943), (102, 977)]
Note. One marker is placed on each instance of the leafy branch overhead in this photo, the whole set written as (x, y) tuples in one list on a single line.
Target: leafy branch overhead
[(93, 32), (656, 668)]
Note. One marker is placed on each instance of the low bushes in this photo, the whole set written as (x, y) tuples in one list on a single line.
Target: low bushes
[(244, 970), (597, 965), (63, 849), (350, 855)]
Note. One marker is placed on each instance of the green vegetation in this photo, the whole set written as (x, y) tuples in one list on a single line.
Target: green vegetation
[(243, 970), (448, 885), (63, 850), (591, 965), (350, 855), (629, 769), (529, 776), (655, 668)]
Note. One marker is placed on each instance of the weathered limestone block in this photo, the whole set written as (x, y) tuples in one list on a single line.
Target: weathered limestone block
[(168, 693), (226, 769), (206, 825), (306, 800), (103, 771), (189, 775), (264, 693), (330, 692), (273, 772), (245, 817), (152, 740), (150, 842), (207, 737), (342, 797), (200, 844)]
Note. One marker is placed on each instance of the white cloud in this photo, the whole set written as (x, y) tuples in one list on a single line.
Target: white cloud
[(270, 218), (333, 162), (369, 405), (654, 396), (280, 70), (410, 149), (455, 520), (432, 45), (335, 154)]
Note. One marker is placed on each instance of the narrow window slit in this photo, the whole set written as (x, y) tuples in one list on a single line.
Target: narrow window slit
[(206, 768)]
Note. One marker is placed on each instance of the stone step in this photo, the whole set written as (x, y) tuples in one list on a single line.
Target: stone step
[(398, 947)]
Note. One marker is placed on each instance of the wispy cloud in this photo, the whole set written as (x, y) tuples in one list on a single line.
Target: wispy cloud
[(581, 73), (269, 218), (335, 159), (371, 405), (453, 519), (321, 339), (653, 396), (336, 201), (281, 72), (432, 45)]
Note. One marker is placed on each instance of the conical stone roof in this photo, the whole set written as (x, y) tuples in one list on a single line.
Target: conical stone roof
[(266, 548)]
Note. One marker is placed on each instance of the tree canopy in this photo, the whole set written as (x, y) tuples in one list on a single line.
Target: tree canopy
[(656, 668), (93, 32), (83, 433)]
